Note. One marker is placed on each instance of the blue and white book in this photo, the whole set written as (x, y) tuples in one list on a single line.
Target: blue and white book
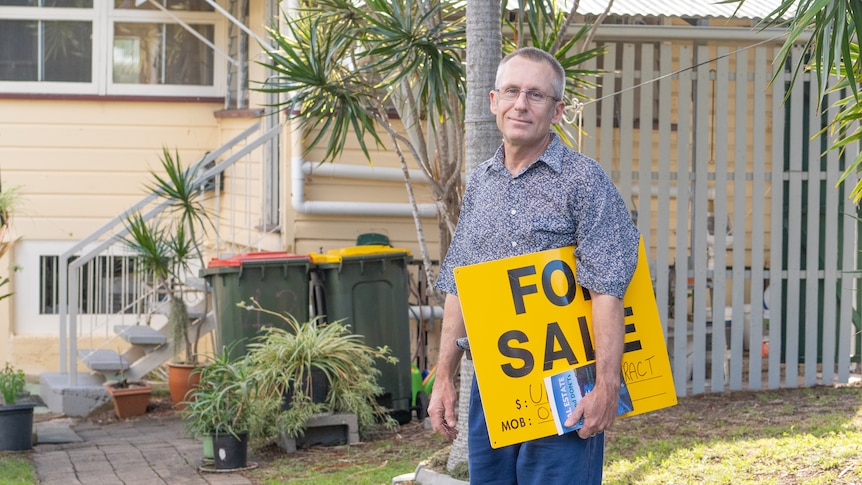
[(567, 388)]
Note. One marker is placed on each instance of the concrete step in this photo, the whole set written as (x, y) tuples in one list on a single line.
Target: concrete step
[(81, 399), (140, 335), (103, 360)]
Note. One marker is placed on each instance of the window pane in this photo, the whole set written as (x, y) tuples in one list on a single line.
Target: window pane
[(188, 60), (136, 53), (18, 50), (108, 284), (180, 5), (162, 54), (68, 51)]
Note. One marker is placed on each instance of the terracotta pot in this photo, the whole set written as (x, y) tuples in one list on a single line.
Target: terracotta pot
[(130, 401), (182, 379)]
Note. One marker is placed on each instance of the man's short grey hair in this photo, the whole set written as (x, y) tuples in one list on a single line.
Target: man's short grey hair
[(537, 55)]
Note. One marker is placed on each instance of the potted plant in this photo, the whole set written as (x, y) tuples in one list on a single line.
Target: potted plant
[(130, 397), (16, 413), (231, 405), (165, 250), (293, 362)]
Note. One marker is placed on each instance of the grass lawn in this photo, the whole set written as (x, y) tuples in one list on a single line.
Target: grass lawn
[(16, 468), (811, 436), (788, 436)]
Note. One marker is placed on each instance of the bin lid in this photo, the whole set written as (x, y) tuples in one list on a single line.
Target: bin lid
[(238, 260), (372, 239), (337, 255)]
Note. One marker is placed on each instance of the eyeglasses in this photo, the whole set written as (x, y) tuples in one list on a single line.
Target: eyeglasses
[(533, 96)]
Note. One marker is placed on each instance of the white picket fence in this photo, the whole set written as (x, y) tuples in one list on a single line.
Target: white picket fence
[(733, 189)]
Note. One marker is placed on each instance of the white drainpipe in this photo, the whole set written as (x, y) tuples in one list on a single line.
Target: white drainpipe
[(299, 168)]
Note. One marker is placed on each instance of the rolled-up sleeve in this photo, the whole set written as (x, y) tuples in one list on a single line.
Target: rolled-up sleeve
[(607, 244)]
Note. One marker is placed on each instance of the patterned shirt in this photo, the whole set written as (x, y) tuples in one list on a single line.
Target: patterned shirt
[(562, 199)]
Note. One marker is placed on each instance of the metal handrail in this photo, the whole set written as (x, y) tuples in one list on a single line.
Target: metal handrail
[(115, 228)]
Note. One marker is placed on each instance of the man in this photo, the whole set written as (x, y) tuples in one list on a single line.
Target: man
[(537, 194)]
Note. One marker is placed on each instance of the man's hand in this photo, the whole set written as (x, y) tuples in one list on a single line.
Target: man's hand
[(599, 410), (441, 409), (599, 407)]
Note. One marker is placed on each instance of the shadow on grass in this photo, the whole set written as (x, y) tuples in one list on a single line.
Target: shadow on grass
[(647, 443)]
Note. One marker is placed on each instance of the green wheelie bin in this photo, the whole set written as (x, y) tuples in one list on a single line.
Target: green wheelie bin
[(277, 280), (366, 287)]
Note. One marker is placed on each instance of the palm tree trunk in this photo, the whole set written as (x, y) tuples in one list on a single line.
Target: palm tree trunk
[(484, 41)]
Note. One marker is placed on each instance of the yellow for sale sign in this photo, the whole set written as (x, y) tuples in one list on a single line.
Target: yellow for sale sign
[(527, 318)]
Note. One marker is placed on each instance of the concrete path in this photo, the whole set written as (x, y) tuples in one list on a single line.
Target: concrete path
[(148, 450)]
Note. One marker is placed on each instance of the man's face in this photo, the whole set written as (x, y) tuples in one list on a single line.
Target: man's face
[(522, 122)]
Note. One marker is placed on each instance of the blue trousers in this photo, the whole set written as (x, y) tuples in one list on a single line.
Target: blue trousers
[(555, 460)]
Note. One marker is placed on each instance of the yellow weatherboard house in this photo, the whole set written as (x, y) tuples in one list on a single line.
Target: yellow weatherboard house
[(527, 318)]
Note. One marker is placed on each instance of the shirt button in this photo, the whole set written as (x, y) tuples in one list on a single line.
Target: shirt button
[(514, 212), (514, 244)]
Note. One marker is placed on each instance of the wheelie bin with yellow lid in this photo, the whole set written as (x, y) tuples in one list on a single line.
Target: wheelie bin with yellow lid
[(366, 287)]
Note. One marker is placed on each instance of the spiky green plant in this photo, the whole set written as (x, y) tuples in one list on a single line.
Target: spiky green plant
[(232, 397), (184, 193), (166, 248), (286, 360), (163, 253)]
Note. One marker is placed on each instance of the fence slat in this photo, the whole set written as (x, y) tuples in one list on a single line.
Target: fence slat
[(606, 138), (699, 194), (589, 114), (741, 162), (849, 265), (758, 192), (812, 243), (645, 140), (626, 123), (718, 200), (794, 232), (776, 274), (683, 146), (662, 263), (831, 244)]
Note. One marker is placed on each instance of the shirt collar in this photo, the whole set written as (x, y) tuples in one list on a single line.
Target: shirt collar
[(552, 156)]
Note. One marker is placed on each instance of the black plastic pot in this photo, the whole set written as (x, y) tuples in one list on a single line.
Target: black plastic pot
[(230, 452), (318, 392), (16, 427)]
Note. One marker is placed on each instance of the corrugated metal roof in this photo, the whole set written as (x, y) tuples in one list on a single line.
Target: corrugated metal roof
[(752, 9)]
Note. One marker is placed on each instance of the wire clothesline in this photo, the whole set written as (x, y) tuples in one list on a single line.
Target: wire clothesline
[(573, 113)]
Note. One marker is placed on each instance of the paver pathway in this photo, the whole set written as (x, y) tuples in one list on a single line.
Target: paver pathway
[(151, 450)]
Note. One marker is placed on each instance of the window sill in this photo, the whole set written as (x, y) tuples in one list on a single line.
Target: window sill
[(95, 97), (238, 113)]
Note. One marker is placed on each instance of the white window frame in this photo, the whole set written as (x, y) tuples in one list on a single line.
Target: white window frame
[(103, 15)]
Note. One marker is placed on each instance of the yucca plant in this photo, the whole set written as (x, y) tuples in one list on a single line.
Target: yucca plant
[(166, 245), (288, 360), (163, 252), (184, 193)]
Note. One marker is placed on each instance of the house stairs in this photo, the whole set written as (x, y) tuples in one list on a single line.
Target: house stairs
[(131, 340)]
